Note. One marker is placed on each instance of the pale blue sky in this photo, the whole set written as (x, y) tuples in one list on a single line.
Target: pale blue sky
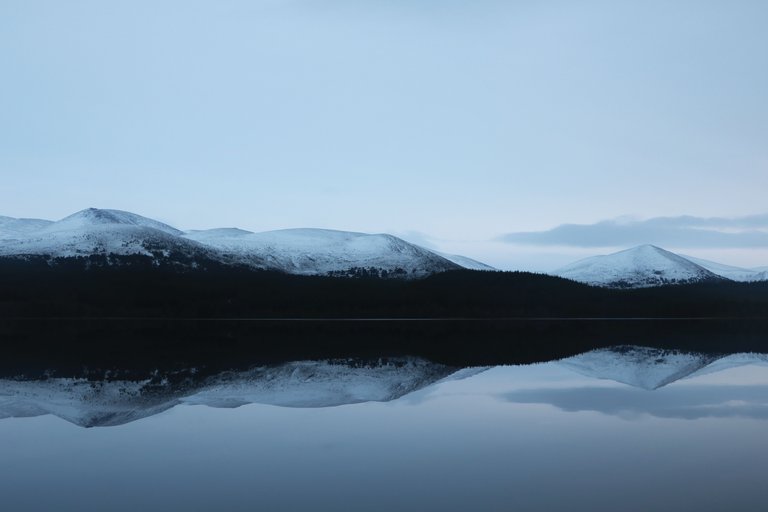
[(459, 120)]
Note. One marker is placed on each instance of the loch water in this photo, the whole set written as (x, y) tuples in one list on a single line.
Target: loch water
[(628, 429)]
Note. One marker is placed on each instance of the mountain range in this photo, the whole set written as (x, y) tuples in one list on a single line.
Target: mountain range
[(114, 237), (117, 237)]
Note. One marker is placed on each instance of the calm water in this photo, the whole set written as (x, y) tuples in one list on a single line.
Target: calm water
[(554, 436)]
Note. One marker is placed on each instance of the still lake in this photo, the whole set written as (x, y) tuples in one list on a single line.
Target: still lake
[(627, 430)]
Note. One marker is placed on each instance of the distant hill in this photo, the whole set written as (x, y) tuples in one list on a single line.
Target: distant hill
[(638, 267)]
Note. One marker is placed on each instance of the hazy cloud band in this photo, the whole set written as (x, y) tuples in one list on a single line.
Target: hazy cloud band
[(684, 231)]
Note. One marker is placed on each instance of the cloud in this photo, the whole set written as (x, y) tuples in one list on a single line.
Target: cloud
[(416, 237), (684, 231), (683, 402)]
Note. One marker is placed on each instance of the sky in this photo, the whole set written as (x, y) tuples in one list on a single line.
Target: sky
[(480, 127)]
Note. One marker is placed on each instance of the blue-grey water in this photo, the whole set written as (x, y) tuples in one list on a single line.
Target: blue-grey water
[(553, 436)]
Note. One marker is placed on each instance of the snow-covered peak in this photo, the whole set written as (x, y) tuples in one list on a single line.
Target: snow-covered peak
[(638, 267), (107, 233), (91, 217)]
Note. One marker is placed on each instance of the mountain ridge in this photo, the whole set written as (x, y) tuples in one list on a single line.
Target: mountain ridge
[(115, 234)]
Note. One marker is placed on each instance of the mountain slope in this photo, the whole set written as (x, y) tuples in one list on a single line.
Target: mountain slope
[(323, 251), (638, 267), (11, 228), (729, 271)]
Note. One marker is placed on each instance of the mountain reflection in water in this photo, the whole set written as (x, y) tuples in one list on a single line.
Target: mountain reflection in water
[(308, 384)]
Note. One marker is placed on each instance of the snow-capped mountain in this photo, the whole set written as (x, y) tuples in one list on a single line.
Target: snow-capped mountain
[(638, 267), (729, 271), (651, 368), (108, 233), (297, 384), (91, 217), (324, 251), (114, 235)]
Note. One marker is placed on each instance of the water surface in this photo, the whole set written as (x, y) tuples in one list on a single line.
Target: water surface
[(681, 432)]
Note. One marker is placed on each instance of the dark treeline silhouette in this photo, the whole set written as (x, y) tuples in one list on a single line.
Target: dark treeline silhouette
[(138, 289), (137, 348), (135, 318)]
